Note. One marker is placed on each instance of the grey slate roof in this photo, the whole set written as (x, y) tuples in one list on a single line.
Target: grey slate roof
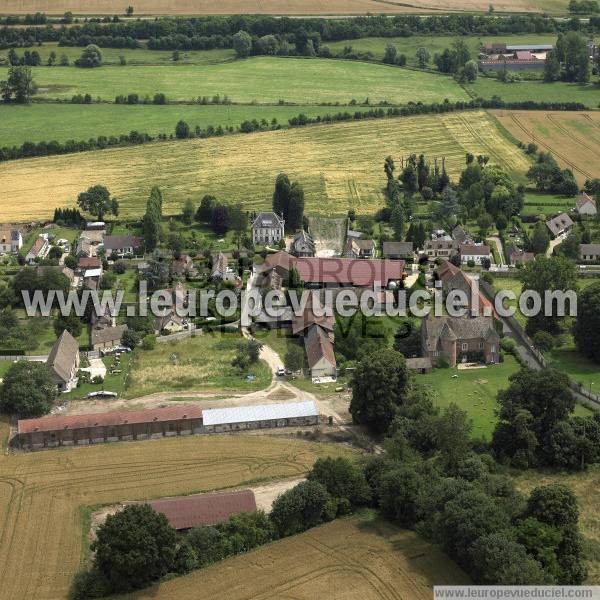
[(397, 248), (63, 356), (108, 334), (558, 223), (267, 219), (461, 328)]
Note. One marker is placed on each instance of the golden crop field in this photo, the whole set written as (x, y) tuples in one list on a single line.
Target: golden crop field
[(277, 7), (572, 137), (340, 166), (347, 559), (42, 533)]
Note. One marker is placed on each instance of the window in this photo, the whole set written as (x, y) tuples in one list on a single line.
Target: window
[(481, 345), (493, 349), (464, 346), (436, 353)]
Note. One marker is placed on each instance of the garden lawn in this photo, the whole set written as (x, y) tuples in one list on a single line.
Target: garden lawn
[(196, 363), (580, 369), (112, 383), (474, 390), (548, 204), (260, 79)]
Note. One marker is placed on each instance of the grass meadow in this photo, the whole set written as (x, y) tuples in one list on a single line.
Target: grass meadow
[(197, 363), (339, 165), (61, 122), (560, 91), (260, 79)]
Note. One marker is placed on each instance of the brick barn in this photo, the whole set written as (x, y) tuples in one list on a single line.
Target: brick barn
[(98, 428)]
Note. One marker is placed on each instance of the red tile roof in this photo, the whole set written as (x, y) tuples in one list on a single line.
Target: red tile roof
[(122, 417), (281, 259), (349, 271), (204, 509), (91, 262)]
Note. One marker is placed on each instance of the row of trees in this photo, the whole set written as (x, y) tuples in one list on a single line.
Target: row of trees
[(288, 202), (217, 32)]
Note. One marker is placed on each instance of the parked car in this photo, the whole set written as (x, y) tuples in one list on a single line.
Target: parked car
[(101, 394)]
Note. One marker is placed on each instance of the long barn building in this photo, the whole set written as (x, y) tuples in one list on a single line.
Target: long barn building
[(96, 428)]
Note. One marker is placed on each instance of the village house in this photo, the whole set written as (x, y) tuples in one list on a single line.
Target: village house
[(589, 252), (89, 262), (220, 269), (107, 337), (199, 510), (39, 250), (169, 323), (399, 251), (88, 242), (121, 245), (91, 278), (11, 240), (302, 244), (440, 248), (63, 361), (183, 266), (586, 205), (453, 278), (473, 252), (359, 248), (267, 229), (459, 339), (560, 225), (516, 255)]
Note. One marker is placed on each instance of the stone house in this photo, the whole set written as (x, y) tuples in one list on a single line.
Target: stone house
[(473, 252), (560, 225), (459, 339), (11, 240), (107, 337), (39, 250), (359, 248), (267, 229), (586, 205), (121, 245), (440, 248), (398, 250), (63, 361), (589, 252), (303, 244)]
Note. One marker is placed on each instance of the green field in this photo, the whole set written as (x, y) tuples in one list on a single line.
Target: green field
[(138, 56), (261, 79), (548, 204), (486, 87), (61, 122), (339, 165), (435, 44), (475, 391)]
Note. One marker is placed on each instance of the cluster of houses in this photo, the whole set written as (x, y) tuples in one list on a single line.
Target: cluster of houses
[(444, 246)]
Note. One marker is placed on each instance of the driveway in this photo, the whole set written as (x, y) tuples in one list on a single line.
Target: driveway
[(97, 368)]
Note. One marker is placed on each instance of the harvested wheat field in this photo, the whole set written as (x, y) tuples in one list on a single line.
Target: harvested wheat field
[(572, 137), (275, 7), (42, 494), (339, 165), (349, 559)]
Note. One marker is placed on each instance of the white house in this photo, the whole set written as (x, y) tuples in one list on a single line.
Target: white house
[(267, 229), (40, 248), (473, 252), (586, 205), (11, 240)]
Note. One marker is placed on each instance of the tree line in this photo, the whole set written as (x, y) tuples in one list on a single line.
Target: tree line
[(217, 32), (184, 131)]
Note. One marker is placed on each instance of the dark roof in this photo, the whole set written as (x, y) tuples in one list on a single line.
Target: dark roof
[(204, 509), (108, 334), (583, 200), (397, 248), (116, 242), (558, 223), (318, 345), (121, 417), (364, 244), (267, 219), (474, 249), (589, 249), (356, 272), (63, 356), (459, 328)]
